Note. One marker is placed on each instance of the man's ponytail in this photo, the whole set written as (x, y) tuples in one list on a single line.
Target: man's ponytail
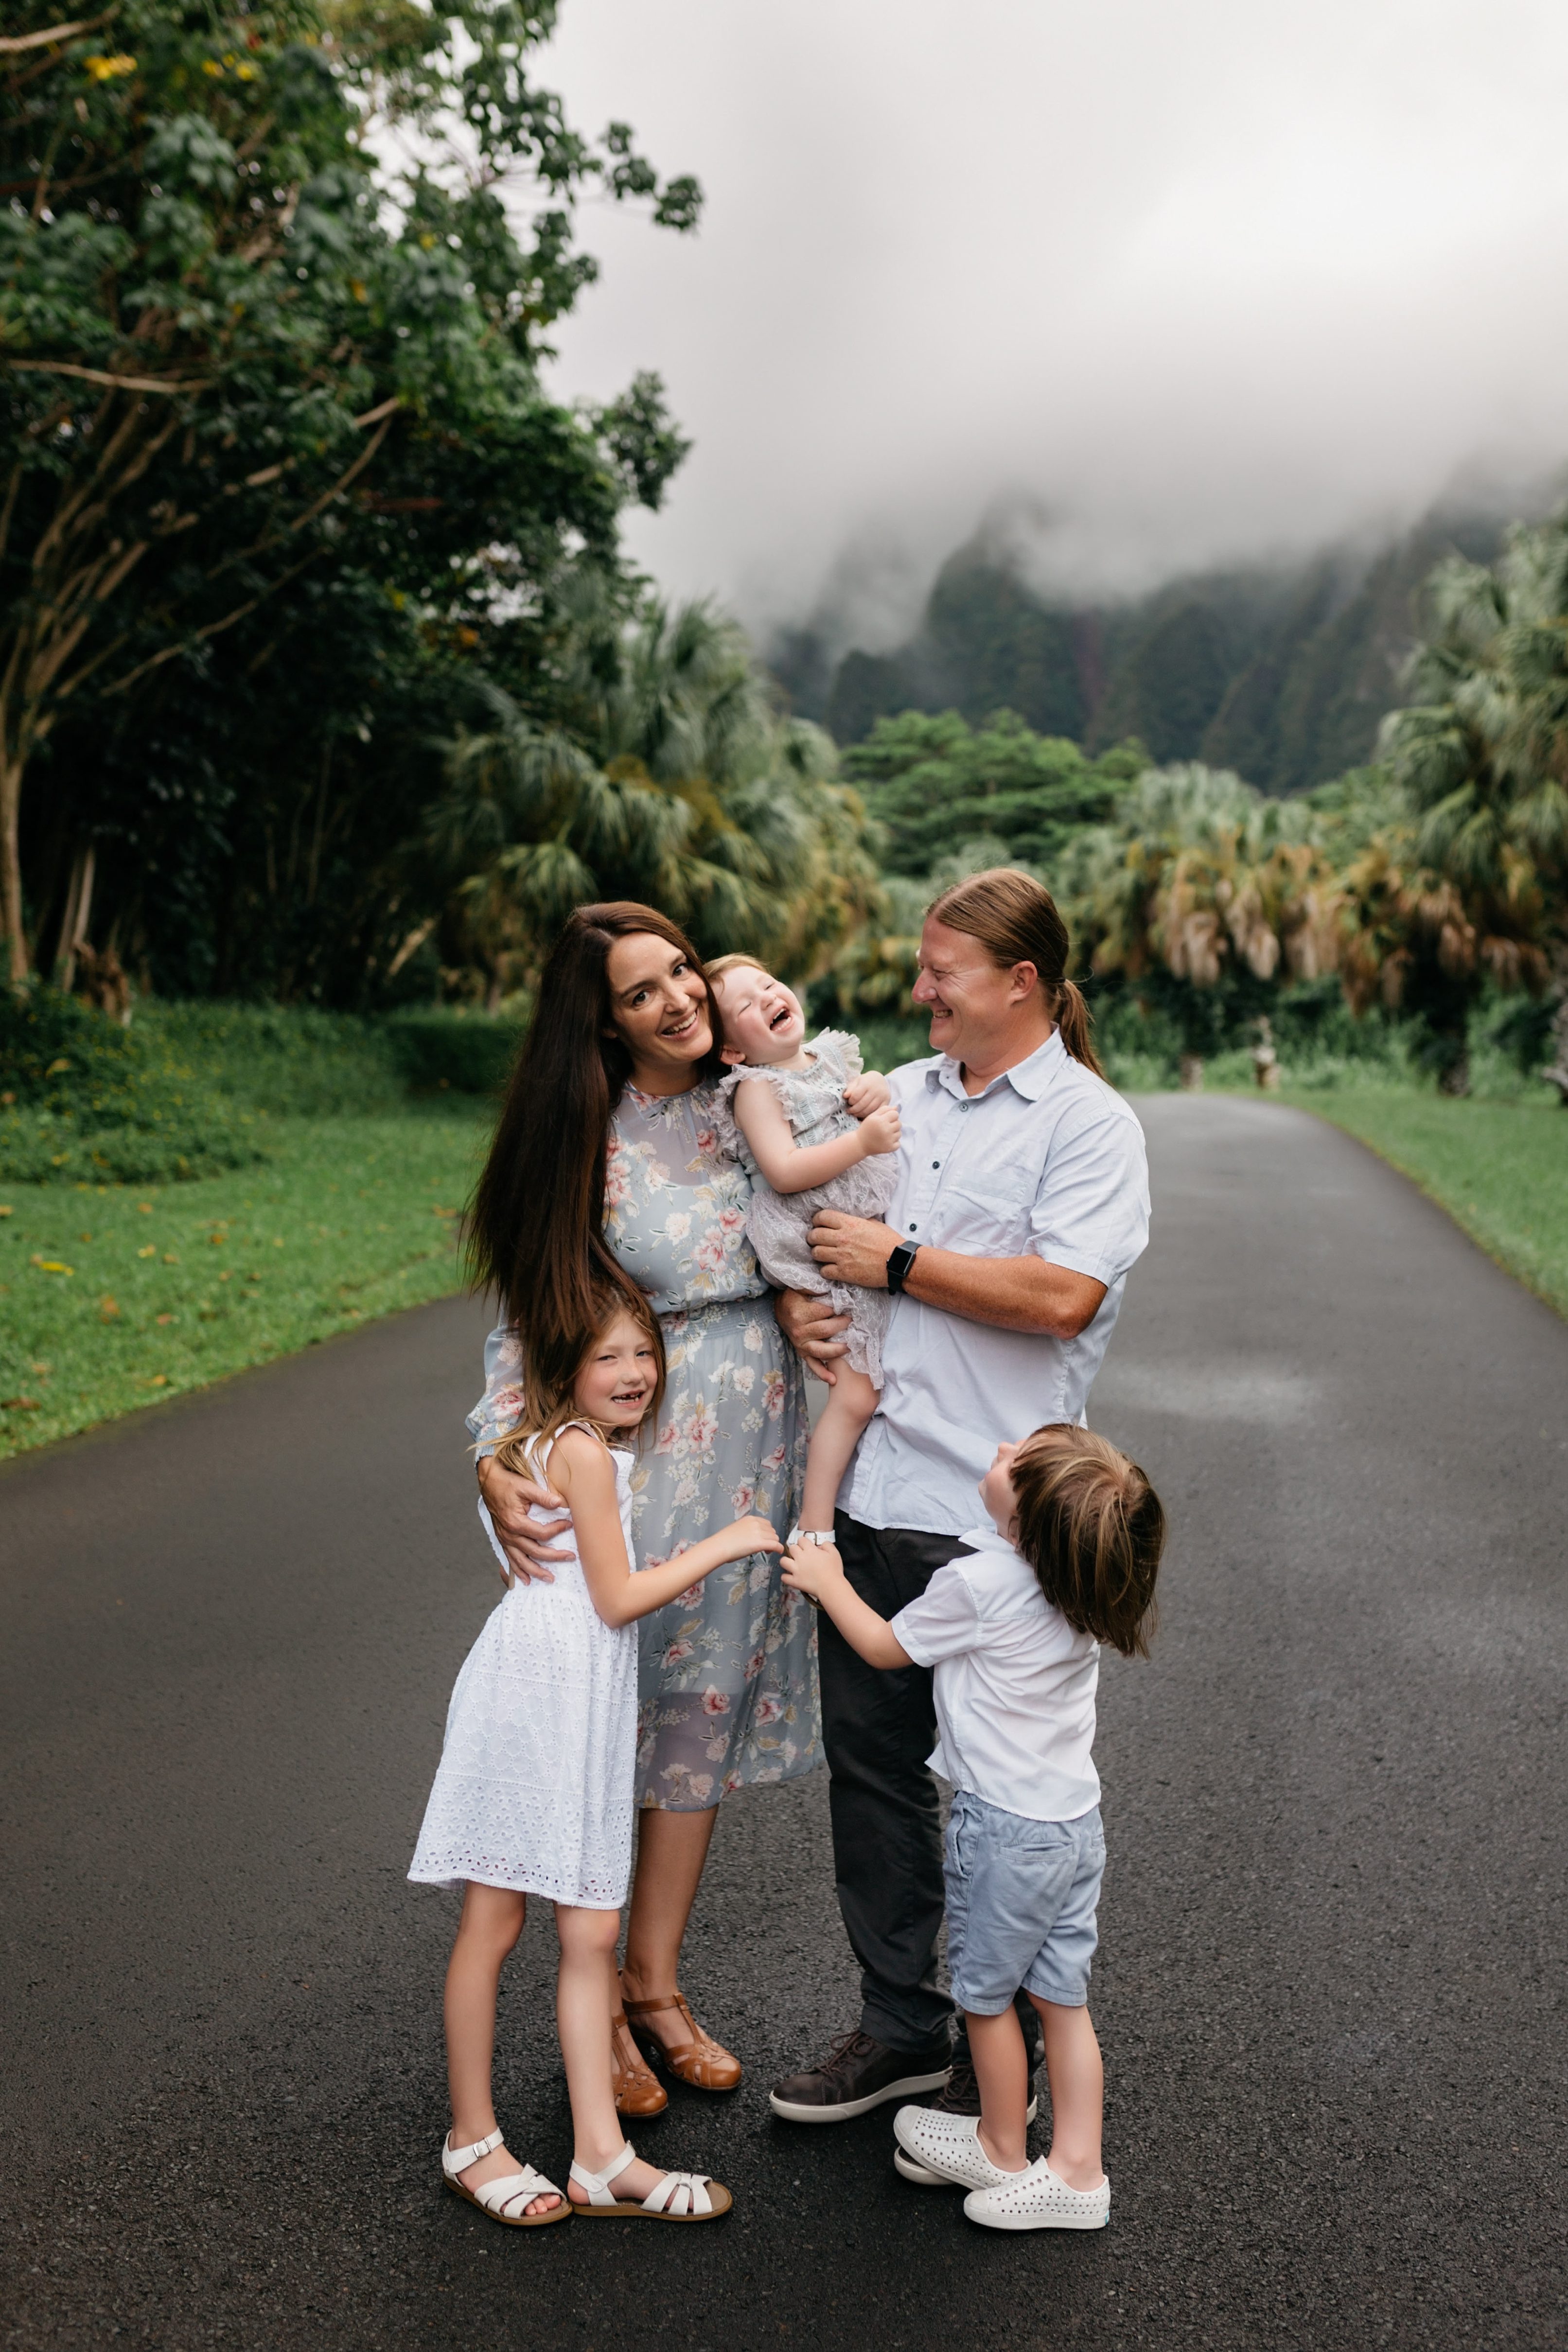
[(1075, 1020), (1015, 920)]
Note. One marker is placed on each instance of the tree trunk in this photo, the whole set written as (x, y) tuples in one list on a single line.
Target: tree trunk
[(11, 862), (79, 914)]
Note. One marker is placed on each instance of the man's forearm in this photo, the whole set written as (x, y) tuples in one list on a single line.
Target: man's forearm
[(1013, 1294)]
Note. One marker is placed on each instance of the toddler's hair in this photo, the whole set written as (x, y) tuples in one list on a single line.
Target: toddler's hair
[(550, 1377), (720, 966), (1092, 1528)]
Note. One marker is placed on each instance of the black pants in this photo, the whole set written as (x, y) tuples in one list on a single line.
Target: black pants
[(878, 1729)]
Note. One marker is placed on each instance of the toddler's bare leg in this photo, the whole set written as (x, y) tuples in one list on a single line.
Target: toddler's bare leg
[(1077, 2077), (1002, 2069), (851, 1401)]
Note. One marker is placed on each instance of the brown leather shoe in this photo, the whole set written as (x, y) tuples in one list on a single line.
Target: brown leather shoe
[(701, 2061), (637, 2090)]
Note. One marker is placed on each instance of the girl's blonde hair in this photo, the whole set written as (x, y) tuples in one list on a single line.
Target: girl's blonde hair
[(1092, 1528), (550, 1379)]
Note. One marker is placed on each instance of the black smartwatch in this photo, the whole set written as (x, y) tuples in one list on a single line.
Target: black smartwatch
[(898, 1263)]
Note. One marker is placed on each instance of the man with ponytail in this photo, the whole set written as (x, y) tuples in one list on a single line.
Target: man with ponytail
[(1022, 1203)]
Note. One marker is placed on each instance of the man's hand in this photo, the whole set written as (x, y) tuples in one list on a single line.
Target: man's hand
[(526, 1542), (853, 1249), (865, 1094), (812, 1329)]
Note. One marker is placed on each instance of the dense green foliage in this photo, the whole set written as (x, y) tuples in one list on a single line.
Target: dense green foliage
[(282, 485), (933, 782), (83, 1099)]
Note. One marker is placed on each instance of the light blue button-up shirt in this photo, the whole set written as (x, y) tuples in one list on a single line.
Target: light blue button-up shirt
[(1047, 1162)]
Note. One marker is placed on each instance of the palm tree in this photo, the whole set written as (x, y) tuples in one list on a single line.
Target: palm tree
[(673, 780), (1474, 882), (1201, 881)]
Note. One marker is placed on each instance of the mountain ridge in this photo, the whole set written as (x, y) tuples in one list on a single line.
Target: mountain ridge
[(1280, 672)]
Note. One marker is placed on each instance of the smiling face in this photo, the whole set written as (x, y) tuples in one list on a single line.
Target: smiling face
[(973, 1004), (659, 1008), (764, 1024), (998, 1494), (619, 1375)]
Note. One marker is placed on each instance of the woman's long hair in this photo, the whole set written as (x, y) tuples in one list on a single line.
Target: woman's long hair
[(535, 1232), (1015, 920)]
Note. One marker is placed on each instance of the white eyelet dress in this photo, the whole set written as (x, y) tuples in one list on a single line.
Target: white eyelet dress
[(535, 1790)]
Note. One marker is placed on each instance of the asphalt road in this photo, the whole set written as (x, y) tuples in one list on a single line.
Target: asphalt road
[(1330, 1988)]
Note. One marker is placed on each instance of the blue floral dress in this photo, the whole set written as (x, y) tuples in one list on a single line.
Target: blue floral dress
[(727, 1673)]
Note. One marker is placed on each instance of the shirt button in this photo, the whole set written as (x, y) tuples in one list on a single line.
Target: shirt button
[(913, 1228), (936, 1164)]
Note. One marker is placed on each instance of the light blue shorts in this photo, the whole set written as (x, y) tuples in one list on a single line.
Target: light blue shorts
[(1021, 1898)]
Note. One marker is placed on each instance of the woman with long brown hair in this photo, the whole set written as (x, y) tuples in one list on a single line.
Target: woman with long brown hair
[(606, 1168)]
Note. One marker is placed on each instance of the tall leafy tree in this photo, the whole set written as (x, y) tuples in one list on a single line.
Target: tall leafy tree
[(933, 780), (244, 340)]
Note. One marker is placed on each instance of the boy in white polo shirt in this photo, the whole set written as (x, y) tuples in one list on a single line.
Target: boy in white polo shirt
[(1013, 1629)]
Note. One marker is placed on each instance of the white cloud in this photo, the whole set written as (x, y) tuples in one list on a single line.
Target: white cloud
[(1193, 283)]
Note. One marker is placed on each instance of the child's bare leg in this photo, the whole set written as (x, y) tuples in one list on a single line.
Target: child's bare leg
[(851, 1401), (1002, 2069), (491, 1925), (1077, 2077), (585, 1992)]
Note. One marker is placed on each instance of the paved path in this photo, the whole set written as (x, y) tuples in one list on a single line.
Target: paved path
[(1332, 1985)]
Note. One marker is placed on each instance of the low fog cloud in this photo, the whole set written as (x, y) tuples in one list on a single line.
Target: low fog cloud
[(1150, 287)]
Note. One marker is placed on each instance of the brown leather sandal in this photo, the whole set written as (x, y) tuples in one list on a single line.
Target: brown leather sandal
[(701, 2061), (638, 2092)]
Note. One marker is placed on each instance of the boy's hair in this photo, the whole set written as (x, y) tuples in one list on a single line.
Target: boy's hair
[(1092, 1528), (550, 1377)]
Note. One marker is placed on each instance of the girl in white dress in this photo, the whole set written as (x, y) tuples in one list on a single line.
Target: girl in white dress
[(533, 1793), (813, 1132)]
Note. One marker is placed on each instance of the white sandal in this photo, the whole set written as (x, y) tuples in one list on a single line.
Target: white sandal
[(677, 2197), (496, 2197)]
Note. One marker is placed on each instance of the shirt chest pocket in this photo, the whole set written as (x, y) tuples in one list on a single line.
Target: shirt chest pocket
[(986, 1199)]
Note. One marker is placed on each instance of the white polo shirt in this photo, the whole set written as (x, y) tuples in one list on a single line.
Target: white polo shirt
[(1047, 1162)]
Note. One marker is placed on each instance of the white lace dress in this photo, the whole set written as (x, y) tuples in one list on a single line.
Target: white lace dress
[(534, 1788), (778, 1224)]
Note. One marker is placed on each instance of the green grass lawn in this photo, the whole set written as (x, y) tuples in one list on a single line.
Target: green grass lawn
[(1501, 1168), (116, 1297)]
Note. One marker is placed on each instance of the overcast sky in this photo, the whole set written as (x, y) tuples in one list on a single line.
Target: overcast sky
[(1170, 283)]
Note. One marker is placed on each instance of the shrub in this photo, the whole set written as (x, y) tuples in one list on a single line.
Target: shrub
[(84, 1101), (469, 1053)]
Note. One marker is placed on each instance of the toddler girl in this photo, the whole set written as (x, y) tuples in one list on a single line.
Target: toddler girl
[(813, 1132), (1013, 1630), (533, 1794)]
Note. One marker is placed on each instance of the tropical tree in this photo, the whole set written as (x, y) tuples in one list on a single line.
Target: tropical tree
[(1469, 882), (242, 337), (1201, 896), (670, 776), (933, 780)]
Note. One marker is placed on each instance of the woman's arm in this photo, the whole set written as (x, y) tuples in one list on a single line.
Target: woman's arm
[(817, 1570), (759, 1114), (583, 1471)]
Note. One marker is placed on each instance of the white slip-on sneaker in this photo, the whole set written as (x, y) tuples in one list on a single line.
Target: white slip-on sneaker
[(911, 2169), (948, 2146), (1037, 2199)]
